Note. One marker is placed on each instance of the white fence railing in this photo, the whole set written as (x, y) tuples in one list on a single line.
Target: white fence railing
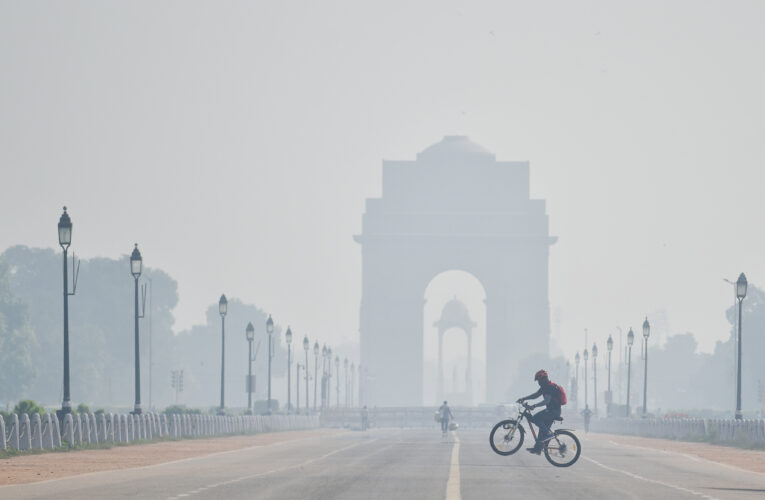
[(22, 432), (728, 431)]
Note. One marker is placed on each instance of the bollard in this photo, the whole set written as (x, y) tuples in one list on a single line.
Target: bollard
[(13, 438), (25, 434), (2, 433), (36, 438), (56, 431), (47, 434), (93, 428), (68, 429), (85, 429)]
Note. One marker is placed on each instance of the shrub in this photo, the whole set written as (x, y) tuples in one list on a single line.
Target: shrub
[(29, 407), (82, 408)]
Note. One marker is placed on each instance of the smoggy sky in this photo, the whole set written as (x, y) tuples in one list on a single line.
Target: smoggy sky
[(236, 142)]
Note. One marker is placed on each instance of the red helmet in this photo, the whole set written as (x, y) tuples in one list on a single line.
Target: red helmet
[(540, 374)]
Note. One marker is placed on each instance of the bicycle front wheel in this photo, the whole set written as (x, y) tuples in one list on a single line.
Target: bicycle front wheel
[(506, 437), (563, 449)]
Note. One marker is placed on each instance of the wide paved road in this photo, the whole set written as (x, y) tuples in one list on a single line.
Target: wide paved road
[(393, 464)]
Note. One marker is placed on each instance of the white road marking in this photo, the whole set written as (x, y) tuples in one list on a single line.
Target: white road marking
[(453, 484), (289, 467), (654, 481)]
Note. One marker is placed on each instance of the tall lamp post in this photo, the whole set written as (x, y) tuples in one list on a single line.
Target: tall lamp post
[(222, 309), (353, 381), (315, 371), (585, 357), (337, 382), (288, 338), (65, 239), (595, 375), (297, 388), (609, 348), (269, 331), (347, 387), (576, 377), (630, 340), (741, 286), (646, 333), (250, 337), (136, 265), (306, 345)]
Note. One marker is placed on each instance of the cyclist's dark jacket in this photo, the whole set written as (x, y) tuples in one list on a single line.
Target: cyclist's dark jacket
[(550, 394)]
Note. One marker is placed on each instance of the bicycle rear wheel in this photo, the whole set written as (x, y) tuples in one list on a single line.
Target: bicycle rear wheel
[(563, 449), (506, 437)]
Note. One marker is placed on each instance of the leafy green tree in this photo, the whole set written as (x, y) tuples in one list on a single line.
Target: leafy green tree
[(17, 342), (29, 407)]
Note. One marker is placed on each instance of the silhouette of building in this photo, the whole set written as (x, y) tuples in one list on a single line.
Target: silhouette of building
[(454, 208)]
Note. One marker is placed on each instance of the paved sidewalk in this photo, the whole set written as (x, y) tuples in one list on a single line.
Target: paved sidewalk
[(53, 465)]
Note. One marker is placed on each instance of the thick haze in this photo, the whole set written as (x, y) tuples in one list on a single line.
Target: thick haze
[(236, 143)]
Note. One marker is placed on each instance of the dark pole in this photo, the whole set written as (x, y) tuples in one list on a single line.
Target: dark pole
[(137, 408), (288, 338), (585, 356), (65, 239), (645, 380), (222, 361), (222, 309), (66, 406), (269, 331), (136, 265), (595, 376), (249, 377), (305, 348), (629, 373)]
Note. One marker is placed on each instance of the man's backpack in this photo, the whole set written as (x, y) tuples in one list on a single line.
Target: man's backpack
[(560, 393)]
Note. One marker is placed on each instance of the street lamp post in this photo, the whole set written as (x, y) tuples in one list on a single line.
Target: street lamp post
[(269, 331), (136, 266), (337, 381), (306, 345), (646, 333), (250, 337), (297, 388), (741, 285), (347, 387), (576, 378), (353, 381), (65, 239), (222, 309), (585, 357), (595, 375), (315, 371), (288, 338), (630, 340), (609, 348)]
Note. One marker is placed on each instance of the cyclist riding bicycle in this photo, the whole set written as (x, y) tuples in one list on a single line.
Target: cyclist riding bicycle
[(552, 402)]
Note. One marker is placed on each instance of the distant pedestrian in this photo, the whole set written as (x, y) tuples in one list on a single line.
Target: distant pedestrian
[(364, 418), (445, 413), (587, 413)]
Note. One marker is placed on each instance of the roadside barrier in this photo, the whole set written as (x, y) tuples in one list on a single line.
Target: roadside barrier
[(721, 431), (43, 432)]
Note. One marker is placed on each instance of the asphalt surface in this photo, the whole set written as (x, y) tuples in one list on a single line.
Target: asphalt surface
[(402, 464)]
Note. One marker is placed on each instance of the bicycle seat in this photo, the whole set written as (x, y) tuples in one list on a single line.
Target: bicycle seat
[(558, 419)]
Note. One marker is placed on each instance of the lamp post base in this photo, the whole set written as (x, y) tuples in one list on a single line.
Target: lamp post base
[(739, 415)]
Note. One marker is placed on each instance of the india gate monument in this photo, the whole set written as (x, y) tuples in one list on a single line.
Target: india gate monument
[(455, 207)]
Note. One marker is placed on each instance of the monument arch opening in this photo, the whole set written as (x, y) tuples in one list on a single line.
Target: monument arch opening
[(454, 339)]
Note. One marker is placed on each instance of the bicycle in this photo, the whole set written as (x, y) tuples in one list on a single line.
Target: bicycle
[(562, 450)]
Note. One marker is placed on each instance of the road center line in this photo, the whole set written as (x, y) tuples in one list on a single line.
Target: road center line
[(654, 481), (453, 484)]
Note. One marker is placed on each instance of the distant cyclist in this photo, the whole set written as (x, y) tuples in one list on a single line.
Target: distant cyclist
[(554, 397), (446, 414)]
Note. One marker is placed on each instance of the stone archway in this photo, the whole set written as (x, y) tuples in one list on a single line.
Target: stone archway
[(454, 207)]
